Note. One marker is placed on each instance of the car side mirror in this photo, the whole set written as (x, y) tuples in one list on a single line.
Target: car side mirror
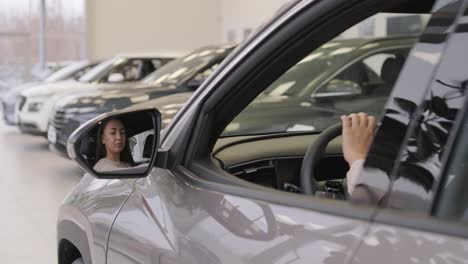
[(196, 81), (116, 78), (338, 88), (116, 145)]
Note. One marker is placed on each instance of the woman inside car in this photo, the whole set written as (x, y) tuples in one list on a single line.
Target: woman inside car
[(113, 151)]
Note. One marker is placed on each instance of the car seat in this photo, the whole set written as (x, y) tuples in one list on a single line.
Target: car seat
[(391, 69), (148, 147)]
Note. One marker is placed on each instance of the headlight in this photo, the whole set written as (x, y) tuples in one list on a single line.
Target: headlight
[(35, 103), (35, 106)]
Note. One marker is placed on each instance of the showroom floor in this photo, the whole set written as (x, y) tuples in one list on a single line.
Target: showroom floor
[(33, 182)]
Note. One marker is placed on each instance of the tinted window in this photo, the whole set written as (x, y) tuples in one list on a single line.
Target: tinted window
[(453, 202), (421, 159), (100, 69), (130, 69), (408, 95)]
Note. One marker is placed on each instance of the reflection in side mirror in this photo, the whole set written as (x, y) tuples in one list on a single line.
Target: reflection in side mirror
[(337, 87), (115, 78), (121, 144)]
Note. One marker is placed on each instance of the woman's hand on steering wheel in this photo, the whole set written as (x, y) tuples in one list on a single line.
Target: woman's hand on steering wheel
[(358, 132)]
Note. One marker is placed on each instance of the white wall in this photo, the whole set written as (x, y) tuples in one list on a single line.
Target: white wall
[(115, 26), (238, 16)]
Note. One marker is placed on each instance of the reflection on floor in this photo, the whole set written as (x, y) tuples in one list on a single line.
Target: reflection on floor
[(33, 182)]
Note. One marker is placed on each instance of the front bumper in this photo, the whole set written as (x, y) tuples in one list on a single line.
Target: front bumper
[(31, 124), (34, 122), (59, 149)]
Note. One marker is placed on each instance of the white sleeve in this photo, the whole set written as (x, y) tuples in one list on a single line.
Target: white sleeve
[(352, 176)]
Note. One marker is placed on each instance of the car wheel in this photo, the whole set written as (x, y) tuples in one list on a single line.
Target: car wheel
[(78, 261)]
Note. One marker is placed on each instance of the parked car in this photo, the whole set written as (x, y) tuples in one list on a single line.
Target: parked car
[(35, 104), (202, 198), (72, 71), (179, 76), (313, 94)]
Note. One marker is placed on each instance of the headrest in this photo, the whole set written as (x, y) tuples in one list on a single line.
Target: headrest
[(147, 149), (391, 69)]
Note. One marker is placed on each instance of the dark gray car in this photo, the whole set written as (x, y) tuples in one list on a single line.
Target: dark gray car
[(313, 94), (196, 197)]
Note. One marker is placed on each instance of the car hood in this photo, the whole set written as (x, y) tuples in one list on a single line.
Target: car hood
[(82, 106), (14, 92), (168, 106)]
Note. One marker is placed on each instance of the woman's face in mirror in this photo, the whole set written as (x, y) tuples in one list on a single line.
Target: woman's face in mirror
[(114, 137)]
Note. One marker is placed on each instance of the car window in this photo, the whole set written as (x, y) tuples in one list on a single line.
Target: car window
[(178, 70), (352, 73), (102, 68), (420, 162), (453, 192), (131, 70), (141, 146)]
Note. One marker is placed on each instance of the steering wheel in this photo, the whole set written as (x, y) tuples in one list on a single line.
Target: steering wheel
[(309, 184)]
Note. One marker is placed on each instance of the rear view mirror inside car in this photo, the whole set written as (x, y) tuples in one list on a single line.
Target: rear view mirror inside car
[(121, 144)]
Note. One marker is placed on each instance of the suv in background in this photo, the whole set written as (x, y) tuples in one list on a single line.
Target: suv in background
[(35, 105), (181, 75)]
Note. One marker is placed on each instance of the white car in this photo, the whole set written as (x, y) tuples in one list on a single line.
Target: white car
[(36, 103)]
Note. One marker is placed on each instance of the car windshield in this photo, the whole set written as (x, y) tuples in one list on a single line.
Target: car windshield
[(179, 69), (101, 69), (305, 72), (66, 72)]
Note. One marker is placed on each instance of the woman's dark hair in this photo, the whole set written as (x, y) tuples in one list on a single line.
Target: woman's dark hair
[(125, 155)]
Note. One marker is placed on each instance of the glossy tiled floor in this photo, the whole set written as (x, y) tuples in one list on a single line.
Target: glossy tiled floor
[(33, 182)]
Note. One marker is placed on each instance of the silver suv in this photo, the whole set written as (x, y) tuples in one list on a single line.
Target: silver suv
[(187, 195)]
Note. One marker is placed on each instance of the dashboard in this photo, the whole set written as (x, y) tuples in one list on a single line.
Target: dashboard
[(275, 160)]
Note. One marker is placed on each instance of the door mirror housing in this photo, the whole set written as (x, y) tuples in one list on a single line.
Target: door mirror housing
[(116, 78), (338, 88), (116, 145)]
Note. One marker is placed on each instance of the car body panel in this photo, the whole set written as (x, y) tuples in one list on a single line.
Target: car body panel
[(91, 208), (401, 245), (178, 223)]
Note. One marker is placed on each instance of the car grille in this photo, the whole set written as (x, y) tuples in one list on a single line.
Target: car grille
[(58, 119), (21, 102)]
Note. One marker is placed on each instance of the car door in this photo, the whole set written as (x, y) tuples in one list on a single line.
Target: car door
[(425, 216), (190, 210)]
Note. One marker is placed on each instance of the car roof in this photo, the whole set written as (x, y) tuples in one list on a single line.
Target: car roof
[(391, 40)]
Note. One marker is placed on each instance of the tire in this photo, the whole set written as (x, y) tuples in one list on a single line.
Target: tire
[(78, 261)]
